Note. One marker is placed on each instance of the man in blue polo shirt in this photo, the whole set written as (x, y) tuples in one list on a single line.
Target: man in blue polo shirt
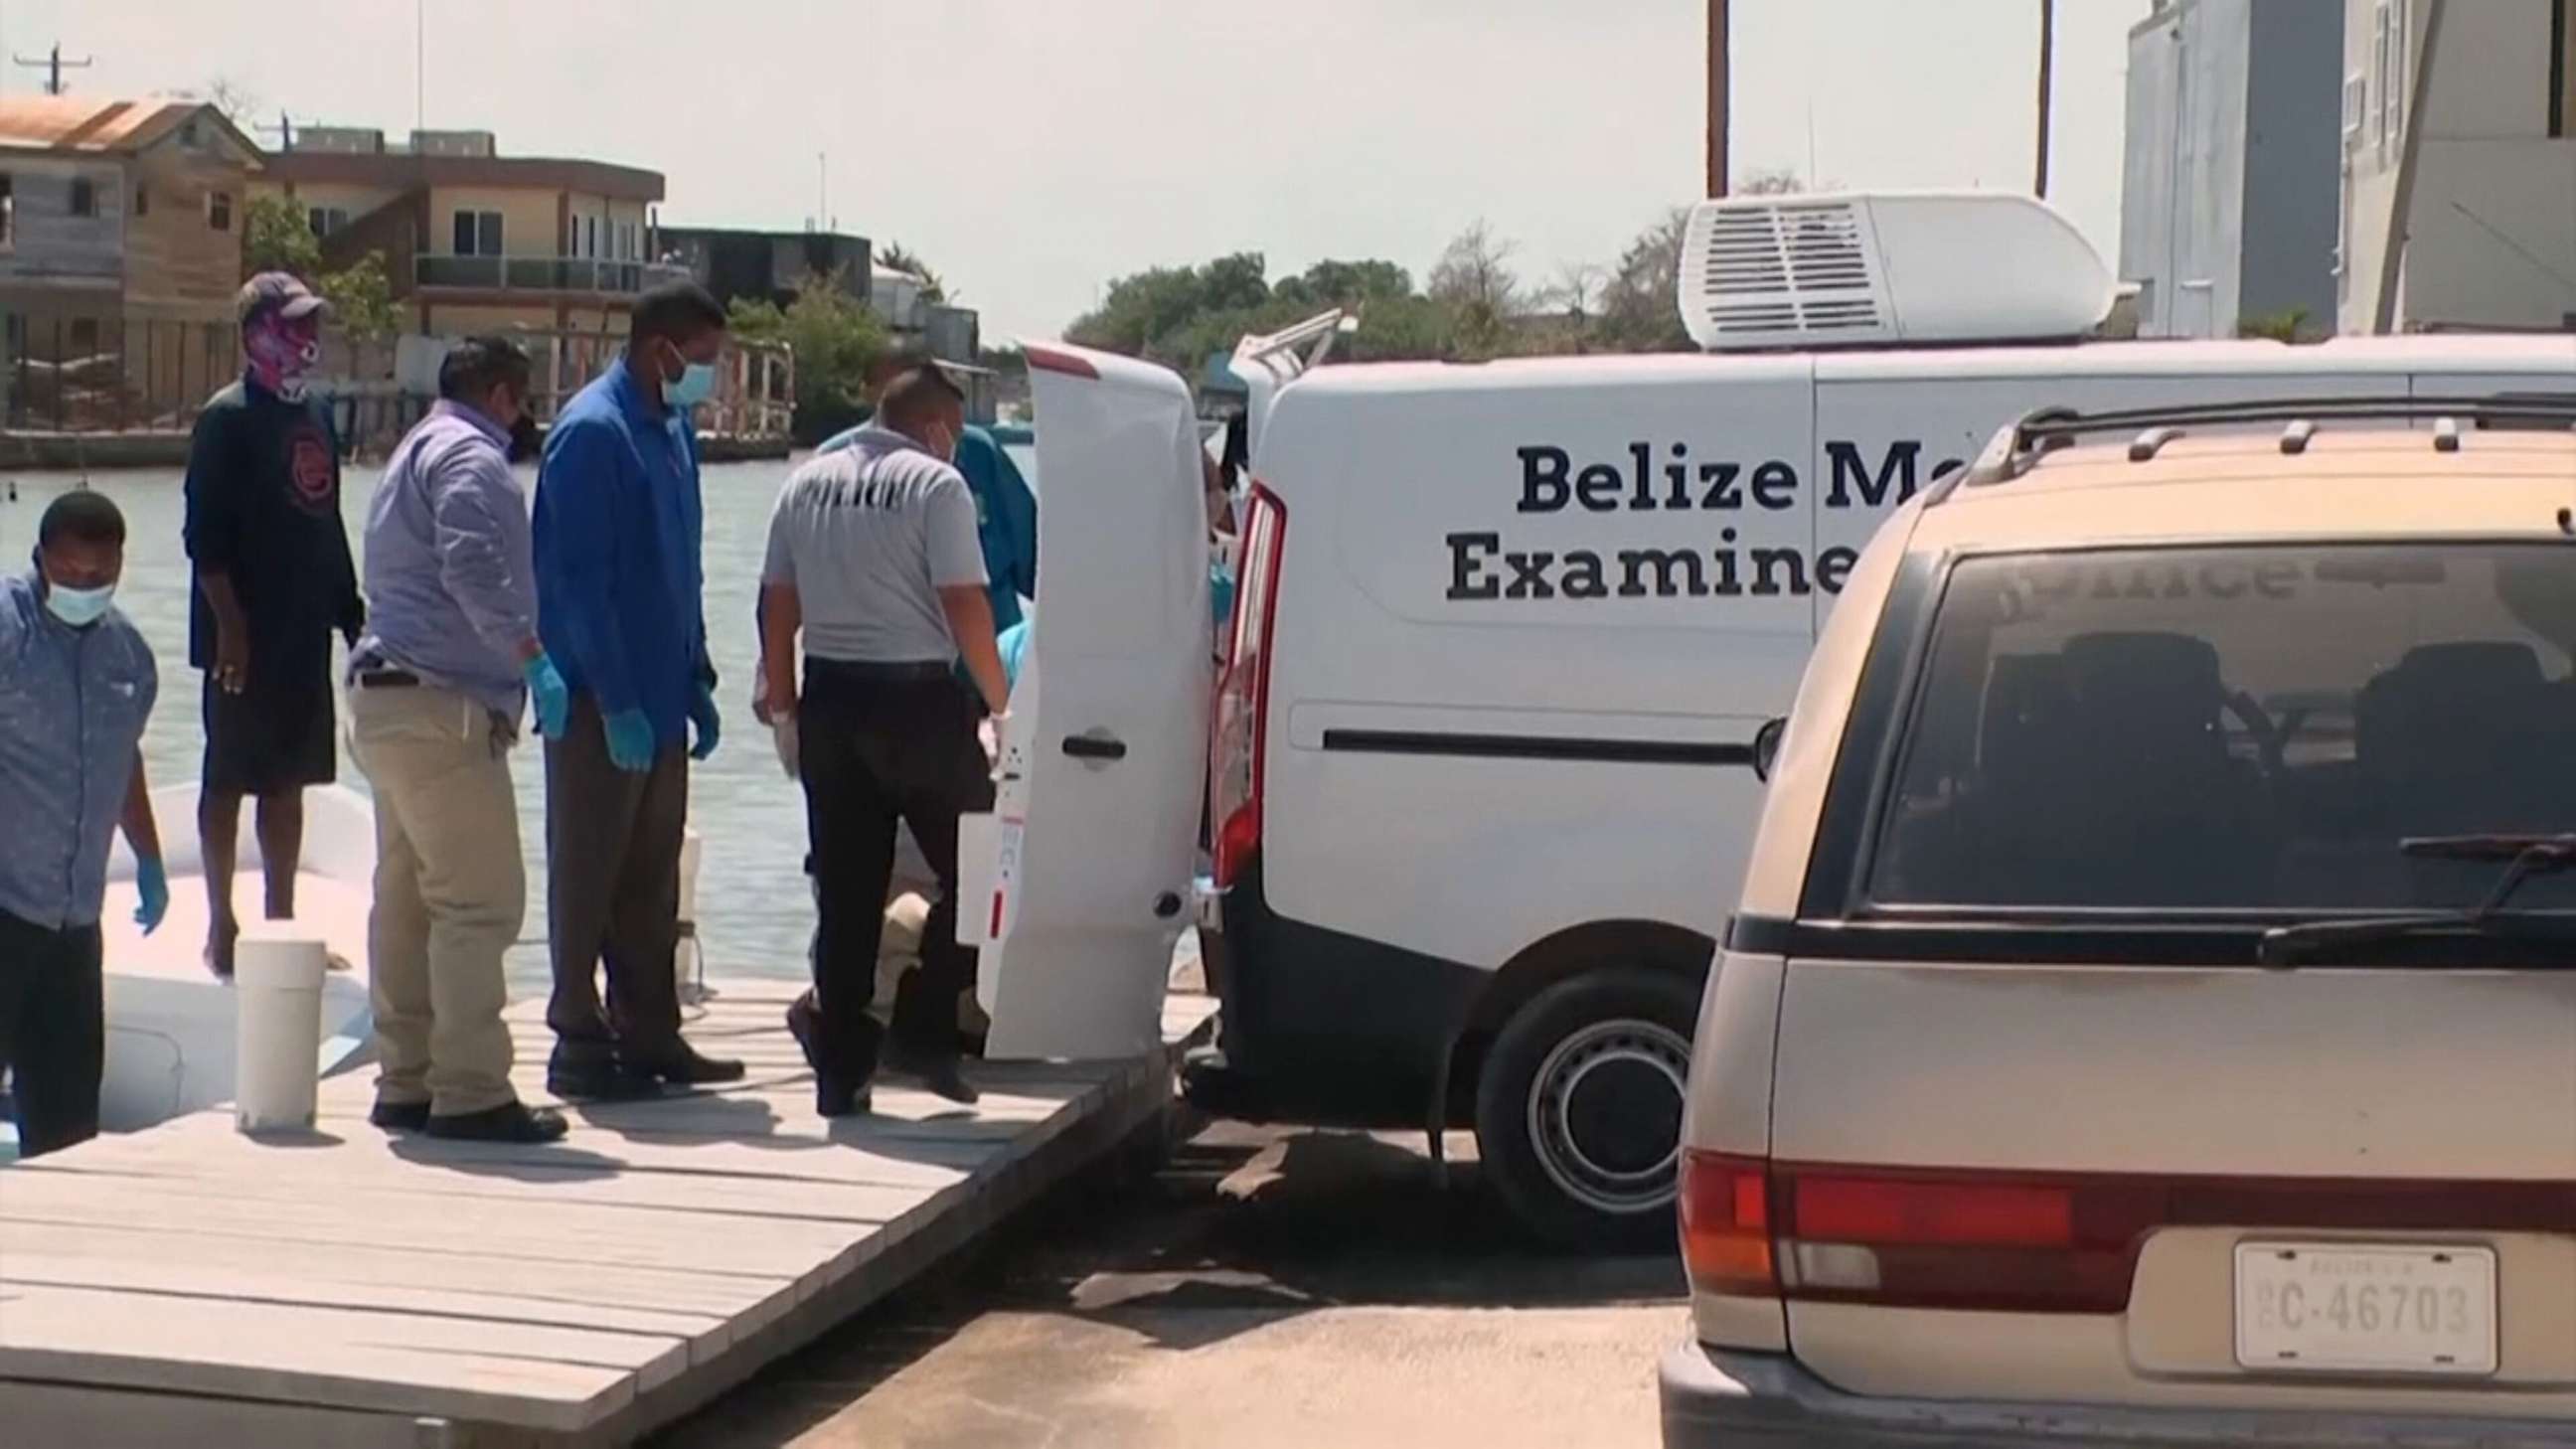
[(617, 535), (77, 683)]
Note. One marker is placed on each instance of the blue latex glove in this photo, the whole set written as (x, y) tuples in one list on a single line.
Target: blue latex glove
[(1013, 646), (704, 721), (630, 740), (548, 696), (152, 884)]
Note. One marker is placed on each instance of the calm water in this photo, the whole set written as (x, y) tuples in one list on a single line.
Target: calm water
[(753, 910)]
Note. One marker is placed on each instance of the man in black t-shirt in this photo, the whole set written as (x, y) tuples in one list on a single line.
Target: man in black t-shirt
[(273, 580)]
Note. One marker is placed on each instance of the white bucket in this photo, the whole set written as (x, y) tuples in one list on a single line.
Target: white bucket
[(692, 847), (277, 1012)]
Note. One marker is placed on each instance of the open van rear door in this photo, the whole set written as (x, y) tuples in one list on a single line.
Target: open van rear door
[(1078, 886), (1265, 364)]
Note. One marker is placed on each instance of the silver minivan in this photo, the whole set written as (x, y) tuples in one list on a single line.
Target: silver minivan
[(2149, 1018)]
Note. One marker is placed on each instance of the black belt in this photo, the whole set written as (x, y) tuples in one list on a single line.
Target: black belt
[(387, 679), (860, 671)]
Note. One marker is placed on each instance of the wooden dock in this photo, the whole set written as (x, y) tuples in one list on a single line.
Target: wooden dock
[(188, 1284)]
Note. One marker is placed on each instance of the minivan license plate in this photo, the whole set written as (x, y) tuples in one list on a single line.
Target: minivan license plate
[(2365, 1308)]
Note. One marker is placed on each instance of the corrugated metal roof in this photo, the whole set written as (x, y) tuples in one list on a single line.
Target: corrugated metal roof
[(91, 125)]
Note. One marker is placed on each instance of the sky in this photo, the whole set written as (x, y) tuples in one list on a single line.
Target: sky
[(1034, 150)]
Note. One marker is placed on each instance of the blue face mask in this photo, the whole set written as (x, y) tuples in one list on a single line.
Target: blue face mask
[(696, 383), (79, 608)]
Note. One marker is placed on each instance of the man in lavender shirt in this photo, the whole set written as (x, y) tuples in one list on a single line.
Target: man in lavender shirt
[(436, 685)]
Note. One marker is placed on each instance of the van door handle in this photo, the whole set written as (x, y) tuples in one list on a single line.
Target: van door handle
[(1100, 747)]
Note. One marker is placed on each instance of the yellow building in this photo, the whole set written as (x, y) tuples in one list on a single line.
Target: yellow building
[(475, 241)]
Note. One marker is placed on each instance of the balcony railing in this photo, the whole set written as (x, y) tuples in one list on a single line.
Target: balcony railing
[(543, 274)]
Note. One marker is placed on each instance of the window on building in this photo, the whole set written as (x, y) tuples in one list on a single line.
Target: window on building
[(2388, 51), (142, 202), (478, 234), (590, 242), (219, 210), (84, 336), (188, 135), (8, 213), (84, 196), (327, 219), (2374, 125)]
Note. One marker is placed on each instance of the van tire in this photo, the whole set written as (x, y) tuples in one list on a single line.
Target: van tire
[(1578, 1108)]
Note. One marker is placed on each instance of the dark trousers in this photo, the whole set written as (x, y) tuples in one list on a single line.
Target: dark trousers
[(53, 1031), (877, 748), (613, 887)]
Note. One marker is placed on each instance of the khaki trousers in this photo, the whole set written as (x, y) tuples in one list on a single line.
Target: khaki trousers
[(450, 894)]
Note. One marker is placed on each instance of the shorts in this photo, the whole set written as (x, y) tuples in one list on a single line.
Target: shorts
[(278, 734)]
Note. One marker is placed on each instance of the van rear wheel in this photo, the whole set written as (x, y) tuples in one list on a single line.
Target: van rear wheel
[(1579, 1108)]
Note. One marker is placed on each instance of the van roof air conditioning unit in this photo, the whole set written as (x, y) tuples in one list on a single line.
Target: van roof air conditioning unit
[(1886, 268)]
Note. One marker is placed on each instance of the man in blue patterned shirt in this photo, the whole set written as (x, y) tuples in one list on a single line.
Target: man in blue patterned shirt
[(77, 683)]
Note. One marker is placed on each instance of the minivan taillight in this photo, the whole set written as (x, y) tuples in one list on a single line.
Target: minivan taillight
[(1726, 1224), (1238, 730), (2031, 1242)]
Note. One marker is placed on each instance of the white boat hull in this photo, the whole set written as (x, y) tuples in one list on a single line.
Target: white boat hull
[(170, 1028)]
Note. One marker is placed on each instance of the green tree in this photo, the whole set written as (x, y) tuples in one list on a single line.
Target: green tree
[(1474, 280), (834, 337), (895, 256), (2289, 326), (363, 309), (277, 237), (1345, 284), (1177, 315), (1639, 308), (362, 299)]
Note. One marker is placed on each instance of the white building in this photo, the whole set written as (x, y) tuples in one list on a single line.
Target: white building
[(2228, 211), (2492, 234)]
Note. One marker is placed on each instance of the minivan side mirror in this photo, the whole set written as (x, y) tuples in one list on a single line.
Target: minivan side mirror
[(1766, 747)]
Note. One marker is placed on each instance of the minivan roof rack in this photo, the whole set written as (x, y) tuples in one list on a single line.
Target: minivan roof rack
[(2018, 447)]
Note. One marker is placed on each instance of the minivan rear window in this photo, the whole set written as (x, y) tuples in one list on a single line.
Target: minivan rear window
[(2243, 729)]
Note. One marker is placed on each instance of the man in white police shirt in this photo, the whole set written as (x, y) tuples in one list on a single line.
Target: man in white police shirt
[(874, 557)]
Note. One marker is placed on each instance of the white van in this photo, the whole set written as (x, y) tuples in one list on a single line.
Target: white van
[(1507, 638)]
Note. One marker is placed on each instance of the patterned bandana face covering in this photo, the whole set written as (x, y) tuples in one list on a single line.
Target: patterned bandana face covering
[(282, 351)]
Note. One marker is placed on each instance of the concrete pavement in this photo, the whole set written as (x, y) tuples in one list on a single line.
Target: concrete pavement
[(1264, 1287)]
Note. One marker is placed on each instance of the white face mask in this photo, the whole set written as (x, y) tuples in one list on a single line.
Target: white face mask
[(79, 608)]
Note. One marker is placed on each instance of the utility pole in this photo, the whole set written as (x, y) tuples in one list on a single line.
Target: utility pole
[(1718, 98), (2401, 202), (419, 66), (54, 65), (2047, 87), (284, 130), (822, 191)]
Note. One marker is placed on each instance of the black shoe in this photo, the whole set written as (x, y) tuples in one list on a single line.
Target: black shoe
[(681, 1065), (589, 1071), (509, 1122), (805, 1023), (937, 1075), (399, 1116), (836, 1101), (832, 1096)]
